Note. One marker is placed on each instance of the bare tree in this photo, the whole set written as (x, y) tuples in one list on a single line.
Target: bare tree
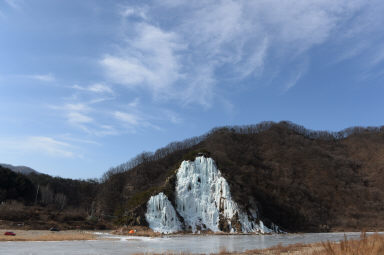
[(60, 200), (47, 195)]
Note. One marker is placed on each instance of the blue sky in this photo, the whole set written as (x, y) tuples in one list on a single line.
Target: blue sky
[(86, 85)]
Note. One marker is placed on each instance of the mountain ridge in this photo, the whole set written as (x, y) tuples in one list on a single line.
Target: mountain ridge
[(20, 169)]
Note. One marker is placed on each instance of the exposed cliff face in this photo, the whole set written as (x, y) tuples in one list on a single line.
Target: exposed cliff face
[(203, 201)]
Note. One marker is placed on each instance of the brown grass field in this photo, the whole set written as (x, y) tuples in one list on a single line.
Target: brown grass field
[(44, 235)]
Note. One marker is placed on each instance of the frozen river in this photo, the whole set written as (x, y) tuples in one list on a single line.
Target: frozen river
[(188, 243)]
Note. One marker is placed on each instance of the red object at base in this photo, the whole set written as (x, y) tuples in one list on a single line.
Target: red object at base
[(9, 234)]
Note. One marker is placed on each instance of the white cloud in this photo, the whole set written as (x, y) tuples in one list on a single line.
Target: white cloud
[(43, 77), (149, 60), (39, 145), (185, 57)]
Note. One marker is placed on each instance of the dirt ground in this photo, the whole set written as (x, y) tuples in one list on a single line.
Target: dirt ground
[(46, 235)]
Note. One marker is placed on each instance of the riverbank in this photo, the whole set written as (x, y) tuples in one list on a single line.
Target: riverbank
[(46, 235)]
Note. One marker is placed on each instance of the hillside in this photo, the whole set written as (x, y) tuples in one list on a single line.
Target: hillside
[(14, 186), (293, 178), (301, 180), (40, 201)]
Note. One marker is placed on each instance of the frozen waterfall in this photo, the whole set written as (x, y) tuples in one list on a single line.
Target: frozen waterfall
[(204, 202), (161, 216)]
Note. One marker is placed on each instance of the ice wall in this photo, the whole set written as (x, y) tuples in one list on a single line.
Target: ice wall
[(161, 215), (203, 200)]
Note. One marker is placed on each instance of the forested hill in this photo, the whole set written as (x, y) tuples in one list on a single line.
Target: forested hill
[(40, 201), (302, 180), (14, 186)]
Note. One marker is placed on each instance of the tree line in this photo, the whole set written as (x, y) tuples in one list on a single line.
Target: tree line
[(145, 157)]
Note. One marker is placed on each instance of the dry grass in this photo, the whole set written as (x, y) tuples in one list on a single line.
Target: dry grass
[(366, 245), (47, 236)]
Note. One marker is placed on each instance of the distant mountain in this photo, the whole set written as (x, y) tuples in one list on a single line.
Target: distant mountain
[(20, 169)]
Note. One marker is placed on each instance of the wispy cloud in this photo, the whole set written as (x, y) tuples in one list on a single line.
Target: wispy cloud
[(75, 107), (2, 15), (78, 118), (76, 114), (39, 145), (362, 38), (132, 119), (95, 88), (295, 74), (128, 118), (149, 60), (129, 11), (134, 103), (213, 43), (378, 58), (15, 4), (292, 82), (70, 138), (43, 77)]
